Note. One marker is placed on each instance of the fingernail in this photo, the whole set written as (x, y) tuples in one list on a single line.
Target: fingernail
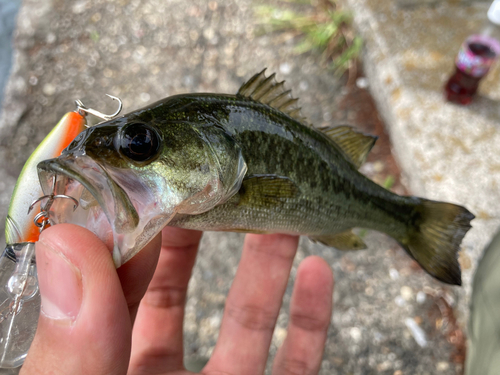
[(60, 284)]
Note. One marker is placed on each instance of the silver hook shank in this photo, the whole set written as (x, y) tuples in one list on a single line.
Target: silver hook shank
[(83, 110)]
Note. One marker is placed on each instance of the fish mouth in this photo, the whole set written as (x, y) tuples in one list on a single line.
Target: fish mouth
[(104, 207)]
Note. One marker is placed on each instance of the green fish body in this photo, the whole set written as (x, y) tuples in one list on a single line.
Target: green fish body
[(249, 163)]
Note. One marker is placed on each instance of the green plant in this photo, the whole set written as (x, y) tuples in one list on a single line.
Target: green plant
[(389, 182), (322, 25)]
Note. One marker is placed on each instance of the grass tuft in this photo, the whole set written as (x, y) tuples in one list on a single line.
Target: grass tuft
[(321, 25)]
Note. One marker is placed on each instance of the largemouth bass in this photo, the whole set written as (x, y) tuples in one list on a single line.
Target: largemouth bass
[(247, 163)]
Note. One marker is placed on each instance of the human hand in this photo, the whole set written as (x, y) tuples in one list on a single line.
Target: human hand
[(99, 320)]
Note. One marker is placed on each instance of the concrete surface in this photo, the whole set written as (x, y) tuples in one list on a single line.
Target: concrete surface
[(389, 317), (447, 152)]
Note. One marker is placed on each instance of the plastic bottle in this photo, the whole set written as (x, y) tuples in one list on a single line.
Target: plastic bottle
[(476, 55)]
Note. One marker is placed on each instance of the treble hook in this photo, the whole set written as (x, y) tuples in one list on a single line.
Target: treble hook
[(44, 208), (82, 109), (51, 199)]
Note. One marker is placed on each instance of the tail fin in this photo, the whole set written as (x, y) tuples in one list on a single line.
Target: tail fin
[(434, 238)]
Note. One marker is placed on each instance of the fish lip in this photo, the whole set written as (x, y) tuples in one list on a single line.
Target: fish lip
[(119, 210), (132, 218)]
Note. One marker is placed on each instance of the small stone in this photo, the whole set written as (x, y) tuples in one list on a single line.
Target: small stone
[(108, 73), (212, 5), (215, 321), (394, 274), (51, 38), (406, 293), (285, 68), (338, 361), (145, 97), (355, 333), (362, 82), (384, 366), (96, 17), (421, 297), (367, 169), (450, 300), (417, 332), (49, 89), (79, 7), (399, 301), (442, 366), (279, 335), (208, 33), (378, 166)]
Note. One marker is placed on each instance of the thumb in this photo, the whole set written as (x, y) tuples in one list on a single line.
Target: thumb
[(84, 325)]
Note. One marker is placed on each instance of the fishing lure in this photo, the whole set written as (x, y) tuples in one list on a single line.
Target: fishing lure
[(19, 297)]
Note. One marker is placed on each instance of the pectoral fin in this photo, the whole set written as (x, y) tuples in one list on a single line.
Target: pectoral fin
[(354, 144), (342, 241), (266, 190)]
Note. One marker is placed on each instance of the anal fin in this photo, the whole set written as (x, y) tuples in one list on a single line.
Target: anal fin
[(344, 241)]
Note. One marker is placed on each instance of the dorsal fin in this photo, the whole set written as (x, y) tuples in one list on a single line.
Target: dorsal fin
[(268, 91), (355, 145)]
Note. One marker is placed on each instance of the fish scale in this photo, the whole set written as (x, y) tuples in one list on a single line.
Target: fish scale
[(307, 166)]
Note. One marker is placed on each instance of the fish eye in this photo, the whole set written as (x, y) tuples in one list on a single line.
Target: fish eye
[(139, 142)]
